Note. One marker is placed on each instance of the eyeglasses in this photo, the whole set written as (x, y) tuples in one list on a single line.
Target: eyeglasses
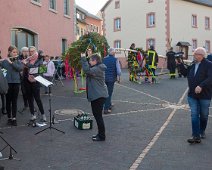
[(32, 51)]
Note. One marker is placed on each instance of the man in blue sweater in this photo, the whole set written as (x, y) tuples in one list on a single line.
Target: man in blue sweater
[(112, 74), (199, 94)]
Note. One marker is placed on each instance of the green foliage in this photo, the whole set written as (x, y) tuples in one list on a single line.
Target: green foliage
[(94, 41)]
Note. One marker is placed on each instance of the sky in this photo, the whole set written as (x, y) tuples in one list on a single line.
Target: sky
[(92, 6)]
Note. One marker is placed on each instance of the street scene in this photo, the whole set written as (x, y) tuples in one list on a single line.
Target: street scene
[(105, 85), (147, 125)]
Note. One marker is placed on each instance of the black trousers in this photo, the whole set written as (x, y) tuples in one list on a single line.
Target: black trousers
[(11, 99), (24, 93), (3, 101), (33, 92), (97, 107)]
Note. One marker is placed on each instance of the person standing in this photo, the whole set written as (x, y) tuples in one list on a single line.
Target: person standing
[(13, 67), (96, 90), (171, 63), (23, 56), (199, 94), (32, 86), (50, 71), (112, 74), (152, 61)]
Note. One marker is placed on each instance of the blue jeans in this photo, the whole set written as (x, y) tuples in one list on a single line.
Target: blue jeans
[(110, 86), (199, 115)]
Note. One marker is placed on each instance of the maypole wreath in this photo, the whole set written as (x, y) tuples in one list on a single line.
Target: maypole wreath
[(94, 41)]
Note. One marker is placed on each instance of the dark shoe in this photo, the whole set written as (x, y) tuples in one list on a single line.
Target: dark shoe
[(94, 136), (194, 140), (107, 111), (9, 122), (97, 138), (203, 136), (14, 122)]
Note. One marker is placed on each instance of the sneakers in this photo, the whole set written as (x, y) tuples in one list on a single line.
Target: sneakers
[(194, 140), (107, 111), (43, 118), (98, 138), (33, 117), (203, 136), (14, 122), (9, 122)]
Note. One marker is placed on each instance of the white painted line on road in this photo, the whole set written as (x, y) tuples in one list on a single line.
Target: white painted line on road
[(135, 111), (140, 158), (149, 95)]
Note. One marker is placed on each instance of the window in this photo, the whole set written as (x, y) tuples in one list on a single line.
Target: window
[(194, 44), (66, 7), (78, 16), (38, 1), (194, 21), (97, 29), (208, 46), (207, 23), (117, 44), (22, 38), (117, 4), (64, 45), (52, 4), (150, 20), (150, 42), (117, 24)]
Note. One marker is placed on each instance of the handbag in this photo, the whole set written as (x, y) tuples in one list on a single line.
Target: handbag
[(3, 83)]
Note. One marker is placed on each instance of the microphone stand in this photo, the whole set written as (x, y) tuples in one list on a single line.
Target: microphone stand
[(10, 157)]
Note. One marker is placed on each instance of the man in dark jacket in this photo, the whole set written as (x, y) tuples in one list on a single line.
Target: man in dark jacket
[(209, 57), (171, 63), (112, 72), (199, 95)]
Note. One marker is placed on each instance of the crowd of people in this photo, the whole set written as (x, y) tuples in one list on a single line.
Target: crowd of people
[(21, 69), (101, 75)]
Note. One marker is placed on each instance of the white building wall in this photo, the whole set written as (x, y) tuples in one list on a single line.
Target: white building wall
[(181, 25), (133, 23)]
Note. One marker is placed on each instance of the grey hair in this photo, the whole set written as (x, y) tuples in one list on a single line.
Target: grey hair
[(24, 49), (111, 50), (33, 47)]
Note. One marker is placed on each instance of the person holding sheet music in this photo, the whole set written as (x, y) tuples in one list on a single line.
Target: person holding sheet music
[(32, 86), (13, 67)]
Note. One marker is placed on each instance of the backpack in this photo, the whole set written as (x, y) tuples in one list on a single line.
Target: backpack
[(3, 83)]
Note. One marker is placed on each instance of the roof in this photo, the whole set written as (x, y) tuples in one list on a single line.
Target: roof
[(183, 43), (87, 13), (106, 4), (201, 2)]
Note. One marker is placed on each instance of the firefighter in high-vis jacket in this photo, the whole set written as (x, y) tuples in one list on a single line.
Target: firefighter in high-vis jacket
[(152, 61), (171, 63)]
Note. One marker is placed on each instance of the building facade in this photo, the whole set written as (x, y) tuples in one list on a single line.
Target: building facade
[(86, 22), (46, 24), (181, 24)]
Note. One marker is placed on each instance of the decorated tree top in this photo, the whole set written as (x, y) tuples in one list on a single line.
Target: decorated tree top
[(94, 41)]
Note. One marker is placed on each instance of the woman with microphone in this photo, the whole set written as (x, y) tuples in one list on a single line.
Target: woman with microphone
[(13, 67)]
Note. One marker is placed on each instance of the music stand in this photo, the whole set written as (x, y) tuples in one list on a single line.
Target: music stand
[(10, 157), (47, 83)]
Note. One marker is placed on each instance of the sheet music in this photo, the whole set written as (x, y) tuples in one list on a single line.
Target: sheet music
[(33, 70), (43, 81)]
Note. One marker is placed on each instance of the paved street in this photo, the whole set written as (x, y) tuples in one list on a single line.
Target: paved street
[(147, 130)]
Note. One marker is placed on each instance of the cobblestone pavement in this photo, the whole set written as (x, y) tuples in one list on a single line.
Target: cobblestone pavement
[(147, 130)]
